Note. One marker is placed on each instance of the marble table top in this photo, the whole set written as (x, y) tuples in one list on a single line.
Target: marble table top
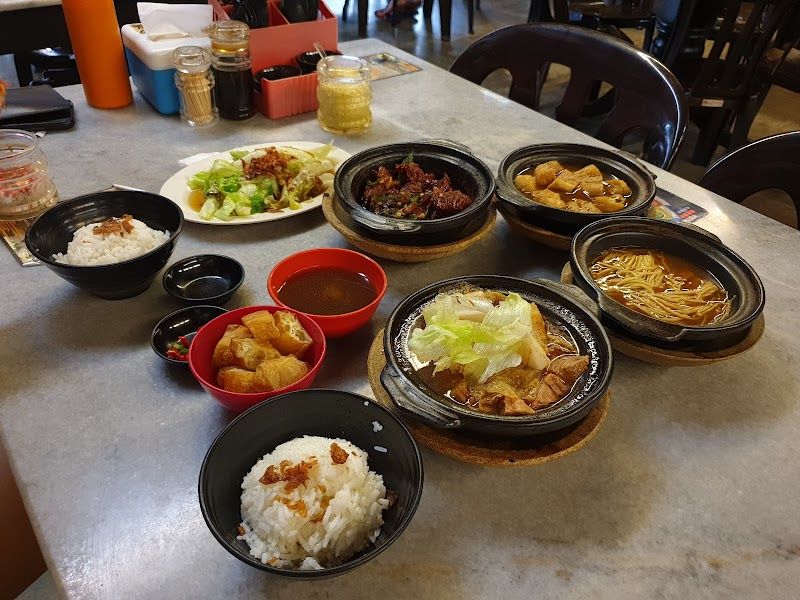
[(689, 490)]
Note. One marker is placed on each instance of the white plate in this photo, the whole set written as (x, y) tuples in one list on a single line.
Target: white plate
[(176, 189)]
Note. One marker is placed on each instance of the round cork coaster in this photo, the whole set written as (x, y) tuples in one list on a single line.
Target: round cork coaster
[(405, 254), (557, 241), (666, 357), (516, 453)]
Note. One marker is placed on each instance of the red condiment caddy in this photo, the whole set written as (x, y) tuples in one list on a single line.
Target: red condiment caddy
[(278, 44)]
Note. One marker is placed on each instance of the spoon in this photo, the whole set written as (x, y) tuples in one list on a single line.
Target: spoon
[(318, 47)]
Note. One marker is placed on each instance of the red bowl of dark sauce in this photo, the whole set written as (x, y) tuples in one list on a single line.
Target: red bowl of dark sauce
[(339, 289)]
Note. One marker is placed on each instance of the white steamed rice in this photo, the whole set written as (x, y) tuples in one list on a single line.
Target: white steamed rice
[(289, 537), (88, 249)]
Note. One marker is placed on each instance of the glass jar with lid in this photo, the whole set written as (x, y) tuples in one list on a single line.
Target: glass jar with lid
[(26, 189), (344, 94), (231, 64), (195, 82)]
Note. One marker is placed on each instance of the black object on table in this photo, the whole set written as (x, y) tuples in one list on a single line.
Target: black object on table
[(204, 279), (648, 97), (37, 108), (772, 162), (298, 11), (52, 232), (182, 323)]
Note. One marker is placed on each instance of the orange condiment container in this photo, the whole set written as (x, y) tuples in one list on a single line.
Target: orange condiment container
[(97, 44)]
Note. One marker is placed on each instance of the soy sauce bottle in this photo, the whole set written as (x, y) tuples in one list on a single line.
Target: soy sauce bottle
[(231, 64)]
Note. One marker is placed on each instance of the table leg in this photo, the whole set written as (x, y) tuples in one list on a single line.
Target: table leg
[(471, 15), (427, 9), (363, 9), (445, 15)]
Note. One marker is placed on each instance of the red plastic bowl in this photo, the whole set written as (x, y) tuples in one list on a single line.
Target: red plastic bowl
[(332, 325), (201, 352)]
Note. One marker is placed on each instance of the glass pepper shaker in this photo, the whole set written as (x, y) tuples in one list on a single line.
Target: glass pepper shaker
[(231, 64), (195, 83), (344, 94)]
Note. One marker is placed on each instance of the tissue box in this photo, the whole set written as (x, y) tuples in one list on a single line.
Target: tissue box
[(151, 66)]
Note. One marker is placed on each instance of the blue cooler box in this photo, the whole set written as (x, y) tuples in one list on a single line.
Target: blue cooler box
[(151, 66)]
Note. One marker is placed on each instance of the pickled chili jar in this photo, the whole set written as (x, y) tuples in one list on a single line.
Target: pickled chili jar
[(26, 188), (344, 94), (231, 64)]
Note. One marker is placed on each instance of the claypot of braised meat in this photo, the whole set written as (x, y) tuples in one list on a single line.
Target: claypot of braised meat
[(566, 313), (416, 193)]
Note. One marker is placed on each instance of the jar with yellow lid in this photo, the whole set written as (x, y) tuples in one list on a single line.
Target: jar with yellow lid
[(344, 94)]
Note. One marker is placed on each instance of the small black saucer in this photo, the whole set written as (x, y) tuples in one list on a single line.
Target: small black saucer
[(184, 322), (209, 279)]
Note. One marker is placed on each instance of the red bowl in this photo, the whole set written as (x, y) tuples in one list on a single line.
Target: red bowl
[(332, 325), (201, 352)]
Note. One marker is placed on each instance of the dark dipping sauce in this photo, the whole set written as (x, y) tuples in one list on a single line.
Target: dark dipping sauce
[(327, 291), (234, 94)]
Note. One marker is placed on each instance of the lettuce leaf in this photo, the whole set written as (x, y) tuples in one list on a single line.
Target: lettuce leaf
[(467, 333)]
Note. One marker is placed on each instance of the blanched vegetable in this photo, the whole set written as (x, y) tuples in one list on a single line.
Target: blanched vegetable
[(468, 333), (230, 193)]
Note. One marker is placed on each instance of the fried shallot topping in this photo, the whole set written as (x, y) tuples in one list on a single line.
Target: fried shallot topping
[(240, 530), (270, 476), (323, 507), (299, 506), (391, 496), (114, 225), (338, 454), (272, 164), (293, 475)]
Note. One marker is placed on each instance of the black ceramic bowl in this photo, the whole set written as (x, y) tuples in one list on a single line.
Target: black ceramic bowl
[(307, 61), (558, 303), (275, 73), (467, 173), (204, 279), (328, 413), (612, 163), (52, 231), (184, 322), (689, 242)]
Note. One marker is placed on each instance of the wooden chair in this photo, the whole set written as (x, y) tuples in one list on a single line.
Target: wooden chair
[(769, 163), (720, 82), (648, 98)]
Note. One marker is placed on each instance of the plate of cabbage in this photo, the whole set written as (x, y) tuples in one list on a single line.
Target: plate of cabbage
[(254, 184)]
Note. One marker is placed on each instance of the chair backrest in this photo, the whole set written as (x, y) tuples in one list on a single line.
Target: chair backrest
[(739, 33), (769, 163), (647, 98)]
